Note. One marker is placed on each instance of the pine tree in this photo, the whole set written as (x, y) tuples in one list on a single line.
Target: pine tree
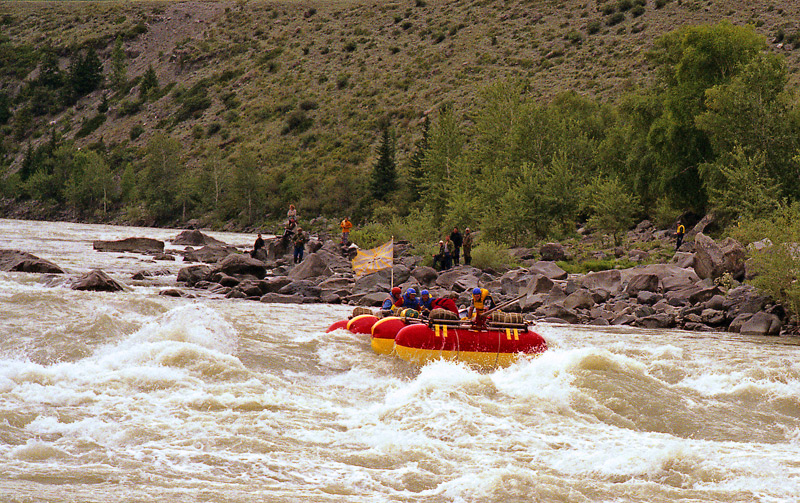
[(85, 73), (49, 72), (415, 169), (119, 66), (149, 82), (384, 175)]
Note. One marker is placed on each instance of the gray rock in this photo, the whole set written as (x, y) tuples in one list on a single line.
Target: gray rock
[(609, 281), (304, 288), (712, 317), (649, 298), (381, 281), (549, 270), (599, 322), (658, 320), (557, 311), (683, 259), (17, 261), (209, 254), (374, 299), (425, 275), (623, 319), (174, 292), (736, 324), (273, 285), (762, 323), (581, 299), (709, 257), (277, 298), (552, 252), (134, 245), (642, 283), (337, 283), (239, 264), (97, 281), (733, 258), (716, 302), (196, 238), (463, 276), (193, 274), (313, 266)]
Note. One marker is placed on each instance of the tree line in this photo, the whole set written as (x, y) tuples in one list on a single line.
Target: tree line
[(716, 129)]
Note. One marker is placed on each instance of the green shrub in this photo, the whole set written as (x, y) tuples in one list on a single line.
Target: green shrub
[(615, 19), (368, 236), (637, 11), (128, 107), (90, 126), (593, 27), (624, 5), (136, 131), (491, 255)]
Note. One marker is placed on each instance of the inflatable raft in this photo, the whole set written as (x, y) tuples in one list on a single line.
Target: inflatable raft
[(497, 345)]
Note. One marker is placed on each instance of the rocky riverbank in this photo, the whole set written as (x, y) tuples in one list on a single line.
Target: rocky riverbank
[(698, 290)]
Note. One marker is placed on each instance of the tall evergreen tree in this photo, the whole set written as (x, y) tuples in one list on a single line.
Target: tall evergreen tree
[(85, 73), (415, 169), (149, 81), (49, 72), (384, 175), (119, 65)]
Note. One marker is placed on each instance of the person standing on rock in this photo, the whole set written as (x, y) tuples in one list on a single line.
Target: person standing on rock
[(679, 236), (448, 253), (467, 243), (346, 225), (291, 215), (259, 244), (300, 240), (457, 240)]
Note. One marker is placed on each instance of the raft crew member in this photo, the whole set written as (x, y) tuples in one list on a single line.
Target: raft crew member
[(394, 296), (346, 225), (445, 303), (410, 300), (425, 300), (679, 236), (482, 301)]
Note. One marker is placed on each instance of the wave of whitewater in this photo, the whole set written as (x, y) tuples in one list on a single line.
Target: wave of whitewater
[(138, 397)]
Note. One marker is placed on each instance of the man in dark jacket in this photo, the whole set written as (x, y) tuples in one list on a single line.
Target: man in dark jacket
[(300, 240), (457, 240)]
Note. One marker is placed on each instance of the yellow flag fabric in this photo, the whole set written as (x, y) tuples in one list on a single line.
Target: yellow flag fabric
[(368, 261)]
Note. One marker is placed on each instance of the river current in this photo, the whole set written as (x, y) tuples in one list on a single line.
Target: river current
[(137, 397)]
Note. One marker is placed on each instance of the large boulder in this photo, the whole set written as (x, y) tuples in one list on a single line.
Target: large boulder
[(381, 281), (734, 256), (194, 274), (277, 298), (305, 288), (239, 264), (331, 254), (709, 258), (313, 266), (134, 245), (552, 252), (97, 281), (274, 284), (425, 275), (17, 261), (580, 299), (548, 269), (642, 283), (459, 277), (609, 281), (208, 254), (196, 238), (762, 323)]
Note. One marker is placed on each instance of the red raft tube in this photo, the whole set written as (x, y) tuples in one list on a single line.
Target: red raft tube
[(488, 347), (359, 323)]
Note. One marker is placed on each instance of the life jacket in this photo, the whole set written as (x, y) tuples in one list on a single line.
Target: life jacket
[(444, 303), (389, 303), (681, 229), (346, 225), (486, 302), (426, 303), (411, 303)]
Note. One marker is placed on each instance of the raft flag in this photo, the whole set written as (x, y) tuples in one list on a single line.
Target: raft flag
[(368, 261)]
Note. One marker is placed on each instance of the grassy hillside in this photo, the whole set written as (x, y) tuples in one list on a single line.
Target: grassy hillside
[(304, 87)]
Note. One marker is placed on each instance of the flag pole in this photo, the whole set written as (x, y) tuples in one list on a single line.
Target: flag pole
[(392, 263)]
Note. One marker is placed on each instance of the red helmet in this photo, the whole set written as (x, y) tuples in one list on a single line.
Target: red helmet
[(396, 291)]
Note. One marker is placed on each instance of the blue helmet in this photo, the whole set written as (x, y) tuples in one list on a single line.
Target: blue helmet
[(424, 292), (411, 291), (476, 291)]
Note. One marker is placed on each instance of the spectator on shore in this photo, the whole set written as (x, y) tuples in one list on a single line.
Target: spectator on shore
[(467, 243), (457, 240), (346, 225), (300, 240), (679, 235)]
